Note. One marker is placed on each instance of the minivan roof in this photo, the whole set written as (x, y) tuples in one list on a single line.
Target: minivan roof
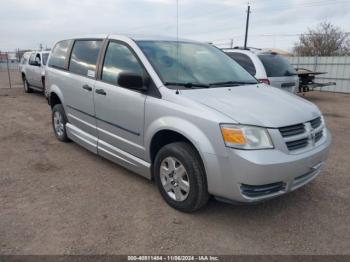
[(135, 37)]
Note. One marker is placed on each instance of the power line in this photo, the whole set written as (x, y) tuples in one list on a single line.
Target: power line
[(255, 9)]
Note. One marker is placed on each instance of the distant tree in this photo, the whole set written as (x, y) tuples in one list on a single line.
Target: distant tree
[(325, 40)]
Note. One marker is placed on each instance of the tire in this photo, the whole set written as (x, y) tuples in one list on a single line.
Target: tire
[(44, 87), (59, 121), (26, 86), (190, 198)]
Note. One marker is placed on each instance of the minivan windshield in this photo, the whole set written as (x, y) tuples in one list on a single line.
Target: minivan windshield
[(193, 65), (276, 65)]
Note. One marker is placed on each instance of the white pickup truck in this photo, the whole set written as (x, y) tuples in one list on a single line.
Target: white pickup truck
[(32, 69)]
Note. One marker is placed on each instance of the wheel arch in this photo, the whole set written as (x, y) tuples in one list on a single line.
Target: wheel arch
[(55, 96), (169, 130)]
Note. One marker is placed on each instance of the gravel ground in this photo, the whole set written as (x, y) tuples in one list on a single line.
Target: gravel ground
[(58, 198)]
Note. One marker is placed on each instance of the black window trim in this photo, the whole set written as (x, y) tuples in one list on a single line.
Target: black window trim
[(152, 89)]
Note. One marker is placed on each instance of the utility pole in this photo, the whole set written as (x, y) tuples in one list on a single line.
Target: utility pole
[(246, 28)]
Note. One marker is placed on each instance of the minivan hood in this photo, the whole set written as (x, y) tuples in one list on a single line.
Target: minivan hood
[(259, 104)]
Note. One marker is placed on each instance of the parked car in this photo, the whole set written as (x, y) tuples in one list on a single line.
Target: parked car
[(186, 115), (24, 60), (268, 67), (32, 69)]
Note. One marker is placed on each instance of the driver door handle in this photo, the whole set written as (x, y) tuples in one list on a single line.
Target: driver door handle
[(101, 92), (87, 87)]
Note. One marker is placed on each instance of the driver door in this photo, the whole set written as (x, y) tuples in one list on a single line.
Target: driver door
[(119, 111)]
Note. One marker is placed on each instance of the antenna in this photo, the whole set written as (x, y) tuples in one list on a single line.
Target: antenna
[(177, 44), (246, 27)]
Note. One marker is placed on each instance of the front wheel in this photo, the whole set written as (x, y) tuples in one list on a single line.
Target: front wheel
[(180, 177), (26, 86), (59, 121)]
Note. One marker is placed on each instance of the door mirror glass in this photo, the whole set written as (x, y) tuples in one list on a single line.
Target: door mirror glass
[(131, 80)]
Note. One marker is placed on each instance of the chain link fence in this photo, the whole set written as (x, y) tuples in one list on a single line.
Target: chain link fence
[(10, 75)]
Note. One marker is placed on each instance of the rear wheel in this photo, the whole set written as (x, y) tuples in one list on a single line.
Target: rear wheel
[(180, 177), (59, 121), (26, 86)]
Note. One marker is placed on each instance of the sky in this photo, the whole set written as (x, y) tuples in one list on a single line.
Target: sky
[(25, 24)]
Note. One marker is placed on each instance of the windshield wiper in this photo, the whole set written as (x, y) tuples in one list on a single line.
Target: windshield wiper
[(187, 85), (232, 83)]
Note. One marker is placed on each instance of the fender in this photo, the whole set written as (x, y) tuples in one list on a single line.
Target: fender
[(57, 91), (188, 130)]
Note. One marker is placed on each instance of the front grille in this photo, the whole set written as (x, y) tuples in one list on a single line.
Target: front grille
[(292, 130), (315, 123), (302, 135), (261, 190), (318, 136), (297, 144)]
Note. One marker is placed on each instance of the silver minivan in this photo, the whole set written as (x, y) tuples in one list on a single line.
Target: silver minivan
[(186, 115)]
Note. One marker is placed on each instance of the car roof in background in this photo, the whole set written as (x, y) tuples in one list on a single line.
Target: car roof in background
[(258, 51)]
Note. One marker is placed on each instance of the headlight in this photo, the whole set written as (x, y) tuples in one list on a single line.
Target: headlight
[(246, 137)]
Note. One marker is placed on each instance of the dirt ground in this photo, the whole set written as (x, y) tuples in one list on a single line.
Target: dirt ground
[(58, 198)]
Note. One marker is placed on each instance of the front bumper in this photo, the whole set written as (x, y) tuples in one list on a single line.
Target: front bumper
[(253, 176)]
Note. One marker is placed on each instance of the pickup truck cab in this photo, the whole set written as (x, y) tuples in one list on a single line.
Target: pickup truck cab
[(33, 70), (186, 115)]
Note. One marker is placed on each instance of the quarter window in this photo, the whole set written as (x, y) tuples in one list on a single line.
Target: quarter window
[(45, 56), (244, 61), (31, 59), (119, 58), (59, 54), (84, 57)]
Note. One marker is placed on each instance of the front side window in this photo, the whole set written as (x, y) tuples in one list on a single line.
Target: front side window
[(84, 57), (187, 62), (59, 54), (37, 58), (276, 65), (119, 58), (244, 61)]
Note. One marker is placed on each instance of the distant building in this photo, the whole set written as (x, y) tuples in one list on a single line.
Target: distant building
[(11, 56)]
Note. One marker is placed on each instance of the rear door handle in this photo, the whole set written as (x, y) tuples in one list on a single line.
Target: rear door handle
[(101, 92), (87, 87)]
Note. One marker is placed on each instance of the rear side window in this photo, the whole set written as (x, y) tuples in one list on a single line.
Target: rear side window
[(276, 65), (59, 54), (32, 58), (244, 61), (119, 58), (45, 56), (84, 57)]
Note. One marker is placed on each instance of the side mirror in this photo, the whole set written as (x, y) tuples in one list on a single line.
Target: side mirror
[(132, 81), (36, 63)]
